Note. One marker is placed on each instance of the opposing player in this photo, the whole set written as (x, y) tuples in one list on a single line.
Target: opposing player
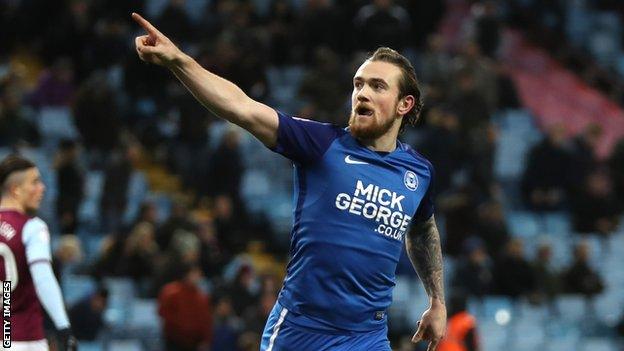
[(26, 260), (359, 194)]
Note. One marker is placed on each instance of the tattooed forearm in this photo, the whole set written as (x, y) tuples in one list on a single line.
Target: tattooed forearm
[(423, 249)]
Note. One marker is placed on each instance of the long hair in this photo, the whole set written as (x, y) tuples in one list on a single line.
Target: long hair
[(408, 84)]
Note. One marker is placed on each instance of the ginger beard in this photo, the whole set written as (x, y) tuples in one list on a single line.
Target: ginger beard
[(367, 124)]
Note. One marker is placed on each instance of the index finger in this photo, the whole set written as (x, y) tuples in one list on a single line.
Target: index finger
[(145, 24)]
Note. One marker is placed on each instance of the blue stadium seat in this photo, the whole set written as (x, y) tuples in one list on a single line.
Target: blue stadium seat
[(121, 297), (54, 124), (572, 308), (523, 224), (558, 224), (492, 336), (89, 210), (562, 343), (75, 287), (144, 315), (598, 344), (91, 345), (137, 192), (125, 345), (418, 304)]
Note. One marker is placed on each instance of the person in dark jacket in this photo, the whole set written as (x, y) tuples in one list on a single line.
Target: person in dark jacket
[(580, 277), (87, 315), (70, 181)]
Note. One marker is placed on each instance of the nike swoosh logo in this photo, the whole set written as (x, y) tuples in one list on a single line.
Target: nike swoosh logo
[(351, 161)]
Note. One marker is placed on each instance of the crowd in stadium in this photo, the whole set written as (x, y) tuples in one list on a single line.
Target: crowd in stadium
[(78, 55)]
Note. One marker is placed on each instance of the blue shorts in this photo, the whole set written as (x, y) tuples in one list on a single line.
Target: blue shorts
[(282, 335)]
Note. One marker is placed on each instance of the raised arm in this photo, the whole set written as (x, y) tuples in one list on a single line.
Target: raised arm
[(424, 250), (220, 96)]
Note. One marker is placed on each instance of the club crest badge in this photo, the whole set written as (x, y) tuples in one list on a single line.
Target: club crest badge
[(411, 180)]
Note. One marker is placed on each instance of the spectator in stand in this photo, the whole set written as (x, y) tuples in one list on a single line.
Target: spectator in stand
[(174, 18), (441, 144), (178, 219), (115, 191), (256, 317), (513, 274), (68, 253), (473, 275), (492, 227), (470, 104), (487, 27), (325, 97), (382, 23), (584, 152), (70, 180), (55, 87), (546, 178), (507, 94), (595, 208), (107, 257), (436, 63), (548, 284), (471, 63), (284, 46), (230, 225), (15, 128), (182, 251), (322, 23), (190, 149), (459, 207), (244, 289), (211, 257), (580, 277), (186, 312), (139, 253), (227, 326), (148, 213), (96, 115), (87, 315), (616, 167), (226, 168), (461, 330)]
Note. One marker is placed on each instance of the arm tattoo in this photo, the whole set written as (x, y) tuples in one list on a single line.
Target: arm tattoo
[(423, 248)]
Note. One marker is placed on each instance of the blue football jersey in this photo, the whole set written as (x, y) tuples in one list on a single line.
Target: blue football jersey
[(353, 207)]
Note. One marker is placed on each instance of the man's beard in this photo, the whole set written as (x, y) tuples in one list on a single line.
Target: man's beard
[(368, 131)]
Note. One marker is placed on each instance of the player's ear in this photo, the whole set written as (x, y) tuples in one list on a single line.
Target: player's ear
[(405, 105)]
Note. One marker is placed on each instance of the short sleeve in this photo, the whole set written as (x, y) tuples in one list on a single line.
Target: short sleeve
[(36, 239), (303, 140), (426, 207)]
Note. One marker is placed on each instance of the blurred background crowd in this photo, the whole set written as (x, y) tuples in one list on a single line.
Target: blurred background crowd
[(171, 227)]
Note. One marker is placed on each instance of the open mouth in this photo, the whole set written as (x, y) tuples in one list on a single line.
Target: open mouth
[(364, 111)]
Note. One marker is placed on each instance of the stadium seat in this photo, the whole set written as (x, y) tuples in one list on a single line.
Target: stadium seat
[(54, 124), (572, 308), (125, 345), (491, 305), (562, 343), (89, 209), (598, 344), (144, 315), (137, 192), (75, 287), (492, 336), (91, 345), (523, 224), (121, 297)]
